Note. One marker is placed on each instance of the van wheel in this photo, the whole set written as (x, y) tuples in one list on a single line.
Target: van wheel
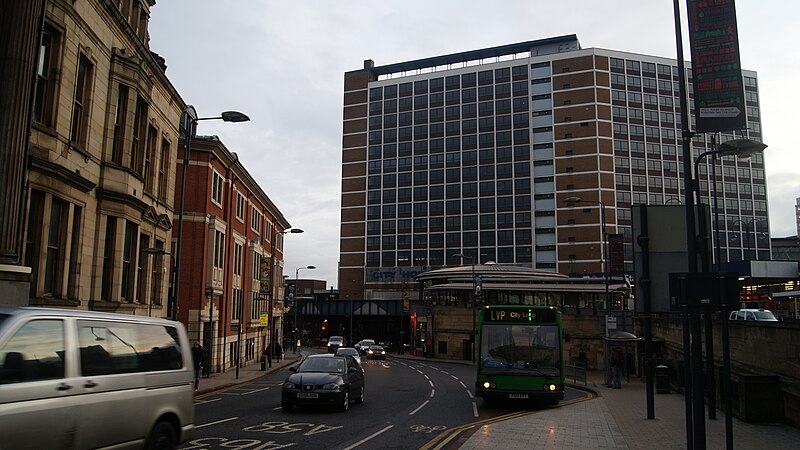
[(163, 437)]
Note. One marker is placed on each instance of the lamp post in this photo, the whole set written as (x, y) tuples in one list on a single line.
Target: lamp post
[(156, 251), (571, 201), (604, 258), (474, 298), (297, 303), (189, 121), (271, 321), (740, 148)]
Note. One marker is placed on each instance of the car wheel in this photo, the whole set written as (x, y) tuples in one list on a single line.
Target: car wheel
[(360, 398), (346, 403), (162, 437), (287, 407)]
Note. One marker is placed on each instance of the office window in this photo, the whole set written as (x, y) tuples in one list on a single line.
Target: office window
[(219, 249), (255, 221), (129, 254), (138, 135)]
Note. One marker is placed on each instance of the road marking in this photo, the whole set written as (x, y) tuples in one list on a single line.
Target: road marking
[(279, 407), (433, 391), (462, 384), (470, 394), (474, 409), (446, 373), (426, 377), (215, 423), (368, 438), (454, 377), (418, 408), (257, 390), (207, 401)]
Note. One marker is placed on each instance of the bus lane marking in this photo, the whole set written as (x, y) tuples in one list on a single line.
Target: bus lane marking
[(216, 423), (419, 407), (368, 438)]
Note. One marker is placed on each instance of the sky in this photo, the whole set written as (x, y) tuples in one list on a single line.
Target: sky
[(283, 63)]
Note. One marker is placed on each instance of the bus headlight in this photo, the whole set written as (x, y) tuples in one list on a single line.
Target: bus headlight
[(488, 385), (552, 387)]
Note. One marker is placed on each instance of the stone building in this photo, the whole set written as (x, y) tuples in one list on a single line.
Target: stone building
[(101, 178)]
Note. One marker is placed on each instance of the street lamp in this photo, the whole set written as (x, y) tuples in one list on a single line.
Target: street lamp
[(297, 303), (156, 251), (604, 257), (743, 149), (571, 201), (271, 321), (189, 121), (474, 298)]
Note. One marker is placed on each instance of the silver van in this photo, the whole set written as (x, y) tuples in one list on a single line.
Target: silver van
[(79, 379)]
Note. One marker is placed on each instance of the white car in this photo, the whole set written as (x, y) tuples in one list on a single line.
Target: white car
[(761, 315), (349, 351), (364, 344)]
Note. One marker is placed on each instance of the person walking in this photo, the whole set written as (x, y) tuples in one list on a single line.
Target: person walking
[(278, 351), (198, 354)]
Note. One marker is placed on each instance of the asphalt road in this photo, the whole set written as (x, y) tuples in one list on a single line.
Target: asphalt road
[(408, 403)]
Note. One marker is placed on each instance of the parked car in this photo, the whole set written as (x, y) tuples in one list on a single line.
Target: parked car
[(334, 342), (86, 379), (376, 352), (364, 344), (324, 379), (349, 351), (762, 315)]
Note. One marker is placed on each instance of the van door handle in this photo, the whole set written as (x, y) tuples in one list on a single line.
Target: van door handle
[(90, 384), (63, 387)]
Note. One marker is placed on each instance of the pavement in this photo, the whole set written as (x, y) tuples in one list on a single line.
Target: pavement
[(607, 419), (250, 372)]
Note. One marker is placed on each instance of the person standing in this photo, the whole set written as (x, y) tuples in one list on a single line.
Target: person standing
[(616, 367), (198, 354)]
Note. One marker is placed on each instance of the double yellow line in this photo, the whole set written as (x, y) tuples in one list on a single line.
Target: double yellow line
[(446, 437)]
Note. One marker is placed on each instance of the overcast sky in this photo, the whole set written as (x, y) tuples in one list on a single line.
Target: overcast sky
[(283, 64)]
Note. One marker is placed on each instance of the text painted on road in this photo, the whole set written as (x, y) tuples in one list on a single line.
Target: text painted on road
[(237, 444), (308, 429)]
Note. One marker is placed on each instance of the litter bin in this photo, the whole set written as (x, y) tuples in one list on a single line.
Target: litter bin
[(662, 379), (263, 363)]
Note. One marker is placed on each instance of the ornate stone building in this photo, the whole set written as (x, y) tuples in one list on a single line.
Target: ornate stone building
[(103, 148)]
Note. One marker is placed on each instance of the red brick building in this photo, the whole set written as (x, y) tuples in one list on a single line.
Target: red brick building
[(231, 257)]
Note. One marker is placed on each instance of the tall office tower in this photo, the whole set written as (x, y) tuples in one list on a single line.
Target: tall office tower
[(480, 156)]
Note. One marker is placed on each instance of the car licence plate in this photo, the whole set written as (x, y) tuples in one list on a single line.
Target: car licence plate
[(307, 395), (517, 395)]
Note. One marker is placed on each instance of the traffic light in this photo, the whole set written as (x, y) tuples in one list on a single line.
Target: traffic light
[(324, 324)]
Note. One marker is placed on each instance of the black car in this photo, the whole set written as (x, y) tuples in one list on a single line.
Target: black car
[(376, 352), (324, 380)]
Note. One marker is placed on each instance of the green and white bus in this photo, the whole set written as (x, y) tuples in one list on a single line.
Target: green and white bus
[(520, 353)]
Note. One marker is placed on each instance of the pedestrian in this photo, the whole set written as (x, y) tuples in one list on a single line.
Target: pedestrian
[(268, 352), (582, 358), (198, 354), (616, 367), (278, 351)]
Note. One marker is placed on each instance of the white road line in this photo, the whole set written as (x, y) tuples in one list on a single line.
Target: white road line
[(454, 377), (368, 438), (446, 373), (462, 384), (426, 377), (470, 394), (215, 423), (257, 390), (207, 401), (279, 407), (418, 408), (431, 383), (475, 409), (433, 391)]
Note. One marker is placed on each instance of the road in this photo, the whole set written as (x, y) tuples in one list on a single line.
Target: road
[(407, 404)]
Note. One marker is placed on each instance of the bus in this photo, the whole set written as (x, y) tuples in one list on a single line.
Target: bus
[(520, 354)]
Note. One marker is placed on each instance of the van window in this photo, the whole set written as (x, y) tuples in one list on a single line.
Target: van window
[(115, 347), (35, 352)]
